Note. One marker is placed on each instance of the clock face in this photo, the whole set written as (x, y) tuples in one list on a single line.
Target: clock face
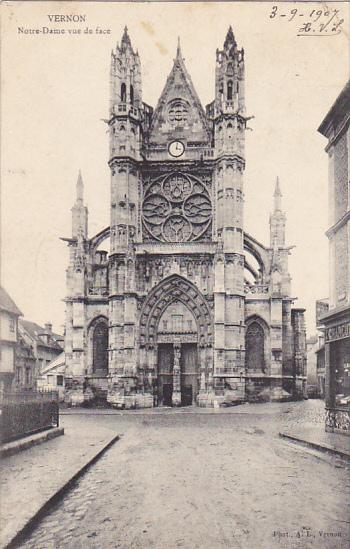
[(176, 148)]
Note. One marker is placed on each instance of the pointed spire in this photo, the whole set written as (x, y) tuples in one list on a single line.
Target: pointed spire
[(126, 42), (178, 50), (277, 195), (80, 189), (79, 212), (230, 38), (277, 188)]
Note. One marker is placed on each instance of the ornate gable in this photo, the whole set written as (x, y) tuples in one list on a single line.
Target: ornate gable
[(179, 112)]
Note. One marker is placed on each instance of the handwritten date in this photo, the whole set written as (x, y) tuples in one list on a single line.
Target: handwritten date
[(316, 22)]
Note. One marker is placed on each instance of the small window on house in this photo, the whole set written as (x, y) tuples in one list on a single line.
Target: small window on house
[(131, 94), (189, 325), (12, 324), (59, 381), (165, 324)]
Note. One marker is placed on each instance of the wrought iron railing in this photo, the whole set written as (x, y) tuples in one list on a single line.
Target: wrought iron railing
[(26, 413)]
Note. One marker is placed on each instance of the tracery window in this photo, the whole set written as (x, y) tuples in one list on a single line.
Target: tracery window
[(176, 208), (178, 113), (100, 346), (255, 344)]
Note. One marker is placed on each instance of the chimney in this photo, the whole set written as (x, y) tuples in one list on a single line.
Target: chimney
[(48, 328)]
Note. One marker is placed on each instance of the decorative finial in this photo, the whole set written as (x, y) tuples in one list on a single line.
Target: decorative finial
[(277, 188), (230, 38), (178, 50), (80, 188), (277, 195), (125, 38)]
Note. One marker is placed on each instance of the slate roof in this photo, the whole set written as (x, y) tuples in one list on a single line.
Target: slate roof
[(37, 333), (7, 303), (338, 112), (57, 365)]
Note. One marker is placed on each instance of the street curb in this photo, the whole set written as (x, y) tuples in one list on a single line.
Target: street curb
[(321, 447), (32, 522), (12, 448)]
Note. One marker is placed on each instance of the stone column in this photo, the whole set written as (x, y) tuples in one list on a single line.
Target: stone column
[(176, 398)]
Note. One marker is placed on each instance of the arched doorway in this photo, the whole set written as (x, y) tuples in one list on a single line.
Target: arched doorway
[(255, 347), (176, 337), (100, 346), (177, 360)]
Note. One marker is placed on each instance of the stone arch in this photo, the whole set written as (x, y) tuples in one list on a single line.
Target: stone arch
[(96, 240), (256, 344), (175, 288), (98, 345), (258, 252)]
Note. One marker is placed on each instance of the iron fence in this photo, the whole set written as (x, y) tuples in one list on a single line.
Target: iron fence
[(26, 413)]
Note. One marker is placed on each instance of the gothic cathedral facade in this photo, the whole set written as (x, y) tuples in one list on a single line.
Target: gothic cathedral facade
[(184, 306)]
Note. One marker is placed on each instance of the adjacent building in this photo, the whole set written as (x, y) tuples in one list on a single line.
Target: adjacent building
[(174, 302), (9, 314), (321, 369), (311, 350), (25, 363), (53, 376), (336, 322), (37, 347)]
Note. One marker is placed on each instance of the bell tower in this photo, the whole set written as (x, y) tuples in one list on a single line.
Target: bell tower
[(229, 77), (125, 122), (228, 114)]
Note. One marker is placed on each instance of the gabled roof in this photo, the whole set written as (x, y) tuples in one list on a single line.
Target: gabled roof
[(7, 303), (58, 364), (38, 333), (179, 78), (339, 111)]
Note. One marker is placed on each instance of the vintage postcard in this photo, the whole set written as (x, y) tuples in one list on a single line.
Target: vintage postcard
[(175, 289)]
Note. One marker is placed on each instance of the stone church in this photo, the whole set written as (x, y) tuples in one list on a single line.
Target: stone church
[(175, 303)]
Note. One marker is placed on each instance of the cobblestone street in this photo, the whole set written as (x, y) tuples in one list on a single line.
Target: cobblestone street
[(206, 481)]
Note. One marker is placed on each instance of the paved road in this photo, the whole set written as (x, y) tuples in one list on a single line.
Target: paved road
[(205, 481)]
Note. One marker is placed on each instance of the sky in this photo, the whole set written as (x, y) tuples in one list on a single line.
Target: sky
[(55, 93)]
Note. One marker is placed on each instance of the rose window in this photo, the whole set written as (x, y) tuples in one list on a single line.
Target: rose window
[(176, 208)]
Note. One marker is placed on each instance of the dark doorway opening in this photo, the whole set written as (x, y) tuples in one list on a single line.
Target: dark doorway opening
[(189, 373), (165, 374)]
